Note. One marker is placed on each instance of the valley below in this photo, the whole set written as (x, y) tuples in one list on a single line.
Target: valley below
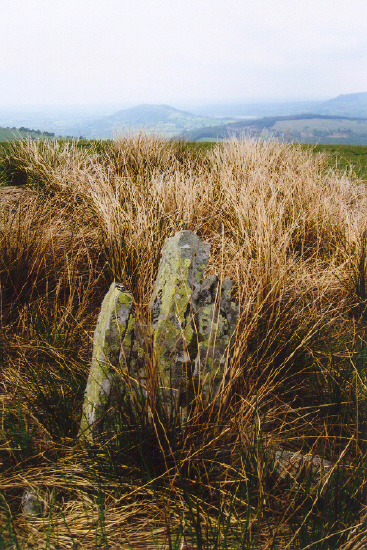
[(341, 120)]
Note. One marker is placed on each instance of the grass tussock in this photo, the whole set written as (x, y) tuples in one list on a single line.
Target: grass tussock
[(291, 234)]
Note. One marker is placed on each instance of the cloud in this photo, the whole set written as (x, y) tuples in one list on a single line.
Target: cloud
[(133, 50)]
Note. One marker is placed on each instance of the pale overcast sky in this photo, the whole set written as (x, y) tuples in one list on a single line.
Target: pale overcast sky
[(176, 51)]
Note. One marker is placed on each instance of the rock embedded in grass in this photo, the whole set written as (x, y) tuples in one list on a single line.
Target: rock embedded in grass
[(290, 466), (31, 504), (215, 320), (184, 258)]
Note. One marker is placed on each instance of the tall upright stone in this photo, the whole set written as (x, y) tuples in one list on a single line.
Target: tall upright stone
[(192, 321), (184, 258)]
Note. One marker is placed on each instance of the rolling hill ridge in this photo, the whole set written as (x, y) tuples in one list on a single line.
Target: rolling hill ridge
[(338, 120), (160, 119)]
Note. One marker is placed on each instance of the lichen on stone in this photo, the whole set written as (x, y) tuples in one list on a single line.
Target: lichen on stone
[(112, 334), (193, 321)]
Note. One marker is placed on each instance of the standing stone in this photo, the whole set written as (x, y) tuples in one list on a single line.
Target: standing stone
[(112, 347), (215, 321), (193, 321), (180, 272)]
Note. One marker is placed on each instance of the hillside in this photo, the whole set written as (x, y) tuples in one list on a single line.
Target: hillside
[(337, 120), (281, 444), (9, 134), (351, 105), (346, 105), (256, 110), (308, 128), (163, 120)]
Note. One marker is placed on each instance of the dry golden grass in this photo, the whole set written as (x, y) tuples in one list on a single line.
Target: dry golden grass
[(292, 236)]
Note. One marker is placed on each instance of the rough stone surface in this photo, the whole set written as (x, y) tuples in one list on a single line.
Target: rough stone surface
[(215, 320), (291, 466), (31, 503), (193, 321), (112, 347), (181, 269)]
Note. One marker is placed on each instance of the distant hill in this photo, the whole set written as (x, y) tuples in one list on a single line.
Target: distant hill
[(308, 120), (347, 105), (163, 120), (307, 128), (350, 105), (256, 110)]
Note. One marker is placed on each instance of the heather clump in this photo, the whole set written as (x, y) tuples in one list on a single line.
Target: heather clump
[(290, 233)]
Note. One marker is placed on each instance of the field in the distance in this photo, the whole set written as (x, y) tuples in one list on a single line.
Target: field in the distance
[(306, 128), (288, 225), (11, 134)]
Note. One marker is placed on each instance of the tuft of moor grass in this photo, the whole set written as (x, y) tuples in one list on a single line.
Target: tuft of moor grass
[(291, 234)]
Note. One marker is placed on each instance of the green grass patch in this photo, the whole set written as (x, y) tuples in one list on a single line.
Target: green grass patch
[(349, 158)]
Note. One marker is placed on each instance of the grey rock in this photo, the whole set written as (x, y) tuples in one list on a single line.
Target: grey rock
[(215, 320), (112, 352), (292, 466), (193, 323), (31, 504), (180, 272)]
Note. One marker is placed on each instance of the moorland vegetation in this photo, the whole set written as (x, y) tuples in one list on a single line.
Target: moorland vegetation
[(291, 232)]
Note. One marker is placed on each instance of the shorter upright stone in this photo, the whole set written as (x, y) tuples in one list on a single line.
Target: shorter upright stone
[(107, 381)]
